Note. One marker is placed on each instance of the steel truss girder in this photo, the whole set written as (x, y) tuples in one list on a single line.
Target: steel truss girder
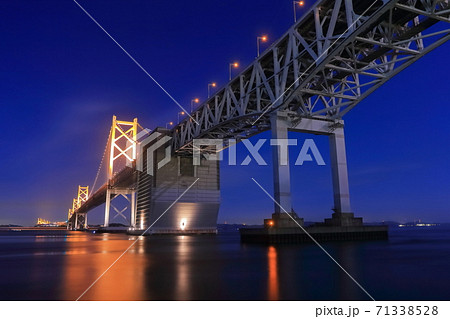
[(328, 62)]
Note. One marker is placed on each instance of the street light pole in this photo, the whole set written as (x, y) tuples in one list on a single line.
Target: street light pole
[(213, 84), (192, 104), (301, 4), (235, 65), (258, 40), (180, 113)]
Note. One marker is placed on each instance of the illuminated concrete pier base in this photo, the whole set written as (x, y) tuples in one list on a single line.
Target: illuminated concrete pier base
[(319, 233), (195, 212)]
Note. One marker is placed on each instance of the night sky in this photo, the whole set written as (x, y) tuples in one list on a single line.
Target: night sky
[(62, 79)]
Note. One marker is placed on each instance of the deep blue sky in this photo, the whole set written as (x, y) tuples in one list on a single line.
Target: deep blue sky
[(62, 79)]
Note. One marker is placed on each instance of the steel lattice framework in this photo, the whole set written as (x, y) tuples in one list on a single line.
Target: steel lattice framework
[(330, 60)]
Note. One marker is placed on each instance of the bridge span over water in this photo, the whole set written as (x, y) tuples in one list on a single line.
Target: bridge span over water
[(337, 54)]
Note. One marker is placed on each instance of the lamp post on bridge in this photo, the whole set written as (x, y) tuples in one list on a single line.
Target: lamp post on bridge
[(213, 84), (196, 100), (300, 4), (180, 113), (169, 124), (233, 65), (258, 42)]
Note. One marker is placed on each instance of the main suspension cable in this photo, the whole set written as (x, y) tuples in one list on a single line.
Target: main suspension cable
[(101, 162)]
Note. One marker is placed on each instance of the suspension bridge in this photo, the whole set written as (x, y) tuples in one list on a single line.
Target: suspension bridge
[(338, 53)]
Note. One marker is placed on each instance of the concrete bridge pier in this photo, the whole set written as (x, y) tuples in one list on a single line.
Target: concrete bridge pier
[(281, 174), (343, 215), (80, 221), (129, 195), (281, 123), (107, 207), (165, 205)]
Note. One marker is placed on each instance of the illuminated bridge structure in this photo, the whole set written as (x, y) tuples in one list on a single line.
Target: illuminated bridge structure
[(337, 54)]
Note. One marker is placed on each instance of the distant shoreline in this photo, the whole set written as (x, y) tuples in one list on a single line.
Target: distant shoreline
[(21, 228)]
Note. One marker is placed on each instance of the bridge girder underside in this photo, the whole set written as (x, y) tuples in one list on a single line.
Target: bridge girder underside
[(335, 56)]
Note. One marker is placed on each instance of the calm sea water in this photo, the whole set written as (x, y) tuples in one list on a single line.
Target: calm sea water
[(412, 265)]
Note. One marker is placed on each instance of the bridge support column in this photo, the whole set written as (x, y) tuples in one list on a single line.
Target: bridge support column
[(281, 170), (339, 172), (281, 173), (133, 210), (107, 207), (342, 215)]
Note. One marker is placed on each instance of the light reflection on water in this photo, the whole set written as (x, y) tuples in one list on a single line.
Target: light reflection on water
[(273, 273), (221, 268), (183, 268)]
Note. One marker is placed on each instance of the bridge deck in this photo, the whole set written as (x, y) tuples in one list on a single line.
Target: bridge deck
[(126, 178)]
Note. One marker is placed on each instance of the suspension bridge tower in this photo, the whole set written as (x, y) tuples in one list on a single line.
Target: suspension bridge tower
[(122, 147)]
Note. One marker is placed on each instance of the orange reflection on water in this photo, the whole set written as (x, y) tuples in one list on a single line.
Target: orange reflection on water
[(123, 281), (273, 282), (183, 268)]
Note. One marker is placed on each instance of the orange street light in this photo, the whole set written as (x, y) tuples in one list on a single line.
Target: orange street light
[(180, 113), (192, 103), (300, 4), (213, 84), (169, 124), (263, 38), (233, 65)]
